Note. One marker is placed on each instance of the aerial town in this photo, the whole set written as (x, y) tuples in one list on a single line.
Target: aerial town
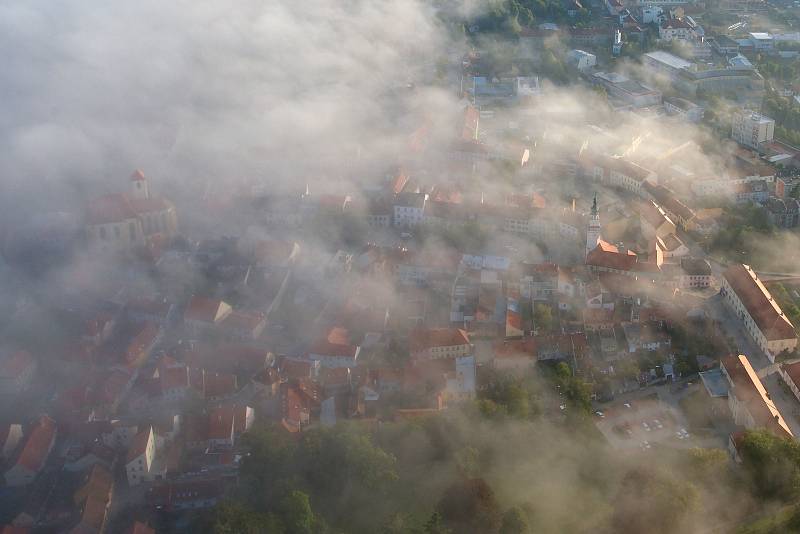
[(568, 300)]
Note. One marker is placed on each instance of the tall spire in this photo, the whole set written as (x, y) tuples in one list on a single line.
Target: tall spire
[(594, 206)]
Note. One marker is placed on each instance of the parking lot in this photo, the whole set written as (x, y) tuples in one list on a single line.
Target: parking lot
[(642, 423)]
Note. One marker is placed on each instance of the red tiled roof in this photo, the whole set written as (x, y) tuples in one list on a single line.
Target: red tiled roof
[(142, 341), (423, 339), (295, 368), (335, 343), (37, 446), (139, 444), (244, 320), (764, 310), (112, 208), (515, 349), (219, 384), (173, 378), (203, 309), (15, 364), (220, 423), (608, 256)]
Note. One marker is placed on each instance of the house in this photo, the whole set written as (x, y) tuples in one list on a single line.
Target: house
[(790, 372), (148, 310), (654, 221), (748, 400), (684, 29), (34, 454), (10, 437), (409, 209), (437, 343), (138, 350), (190, 494), (335, 349), (515, 356), (219, 386), (752, 129), (140, 462), (17, 370), (202, 314), (94, 499), (581, 60), (244, 325), (97, 454), (755, 191), (126, 221), (760, 314), (783, 213), (695, 273), (221, 427)]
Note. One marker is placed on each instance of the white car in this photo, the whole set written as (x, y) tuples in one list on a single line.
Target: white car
[(645, 445), (680, 436), (646, 426), (658, 423), (684, 432)]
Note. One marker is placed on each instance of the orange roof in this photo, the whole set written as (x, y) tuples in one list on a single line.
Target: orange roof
[(764, 310), (423, 339), (244, 320), (137, 176), (37, 446), (143, 340), (750, 390), (609, 256), (335, 343), (173, 378), (515, 349), (112, 208)]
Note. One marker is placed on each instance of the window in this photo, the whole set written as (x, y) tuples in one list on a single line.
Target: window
[(116, 232), (102, 232), (132, 231)]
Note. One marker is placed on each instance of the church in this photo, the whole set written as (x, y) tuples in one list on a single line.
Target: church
[(602, 256), (124, 222)]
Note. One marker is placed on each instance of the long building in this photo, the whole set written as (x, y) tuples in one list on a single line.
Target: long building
[(748, 400), (761, 315)]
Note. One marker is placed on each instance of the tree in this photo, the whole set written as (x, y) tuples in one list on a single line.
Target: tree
[(515, 521), (230, 517), (650, 501), (435, 525), (469, 506), (543, 317), (773, 464), (295, 510)]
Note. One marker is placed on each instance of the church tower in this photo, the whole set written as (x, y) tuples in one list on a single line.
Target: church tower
[(139, 189), (593, 232)]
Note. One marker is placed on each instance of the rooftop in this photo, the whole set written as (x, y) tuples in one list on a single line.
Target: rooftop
[(764, 310), (747, 387)]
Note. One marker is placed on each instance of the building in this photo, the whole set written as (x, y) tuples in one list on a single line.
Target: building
[(10, 437), (684, 29), (695, 274), (616, 172), (654, 221), (761, 315), (438, 343), (409, 209), (628, 91), (34, 454), (581, 60), (140, 461), (126, 221), (335, 349), (661, 62), (751, 129), (748, 400), (783, 213), (202, 314), (593, 231), (761, 41), (684, 109), (17, 370), (790, 372), (611, 258)]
